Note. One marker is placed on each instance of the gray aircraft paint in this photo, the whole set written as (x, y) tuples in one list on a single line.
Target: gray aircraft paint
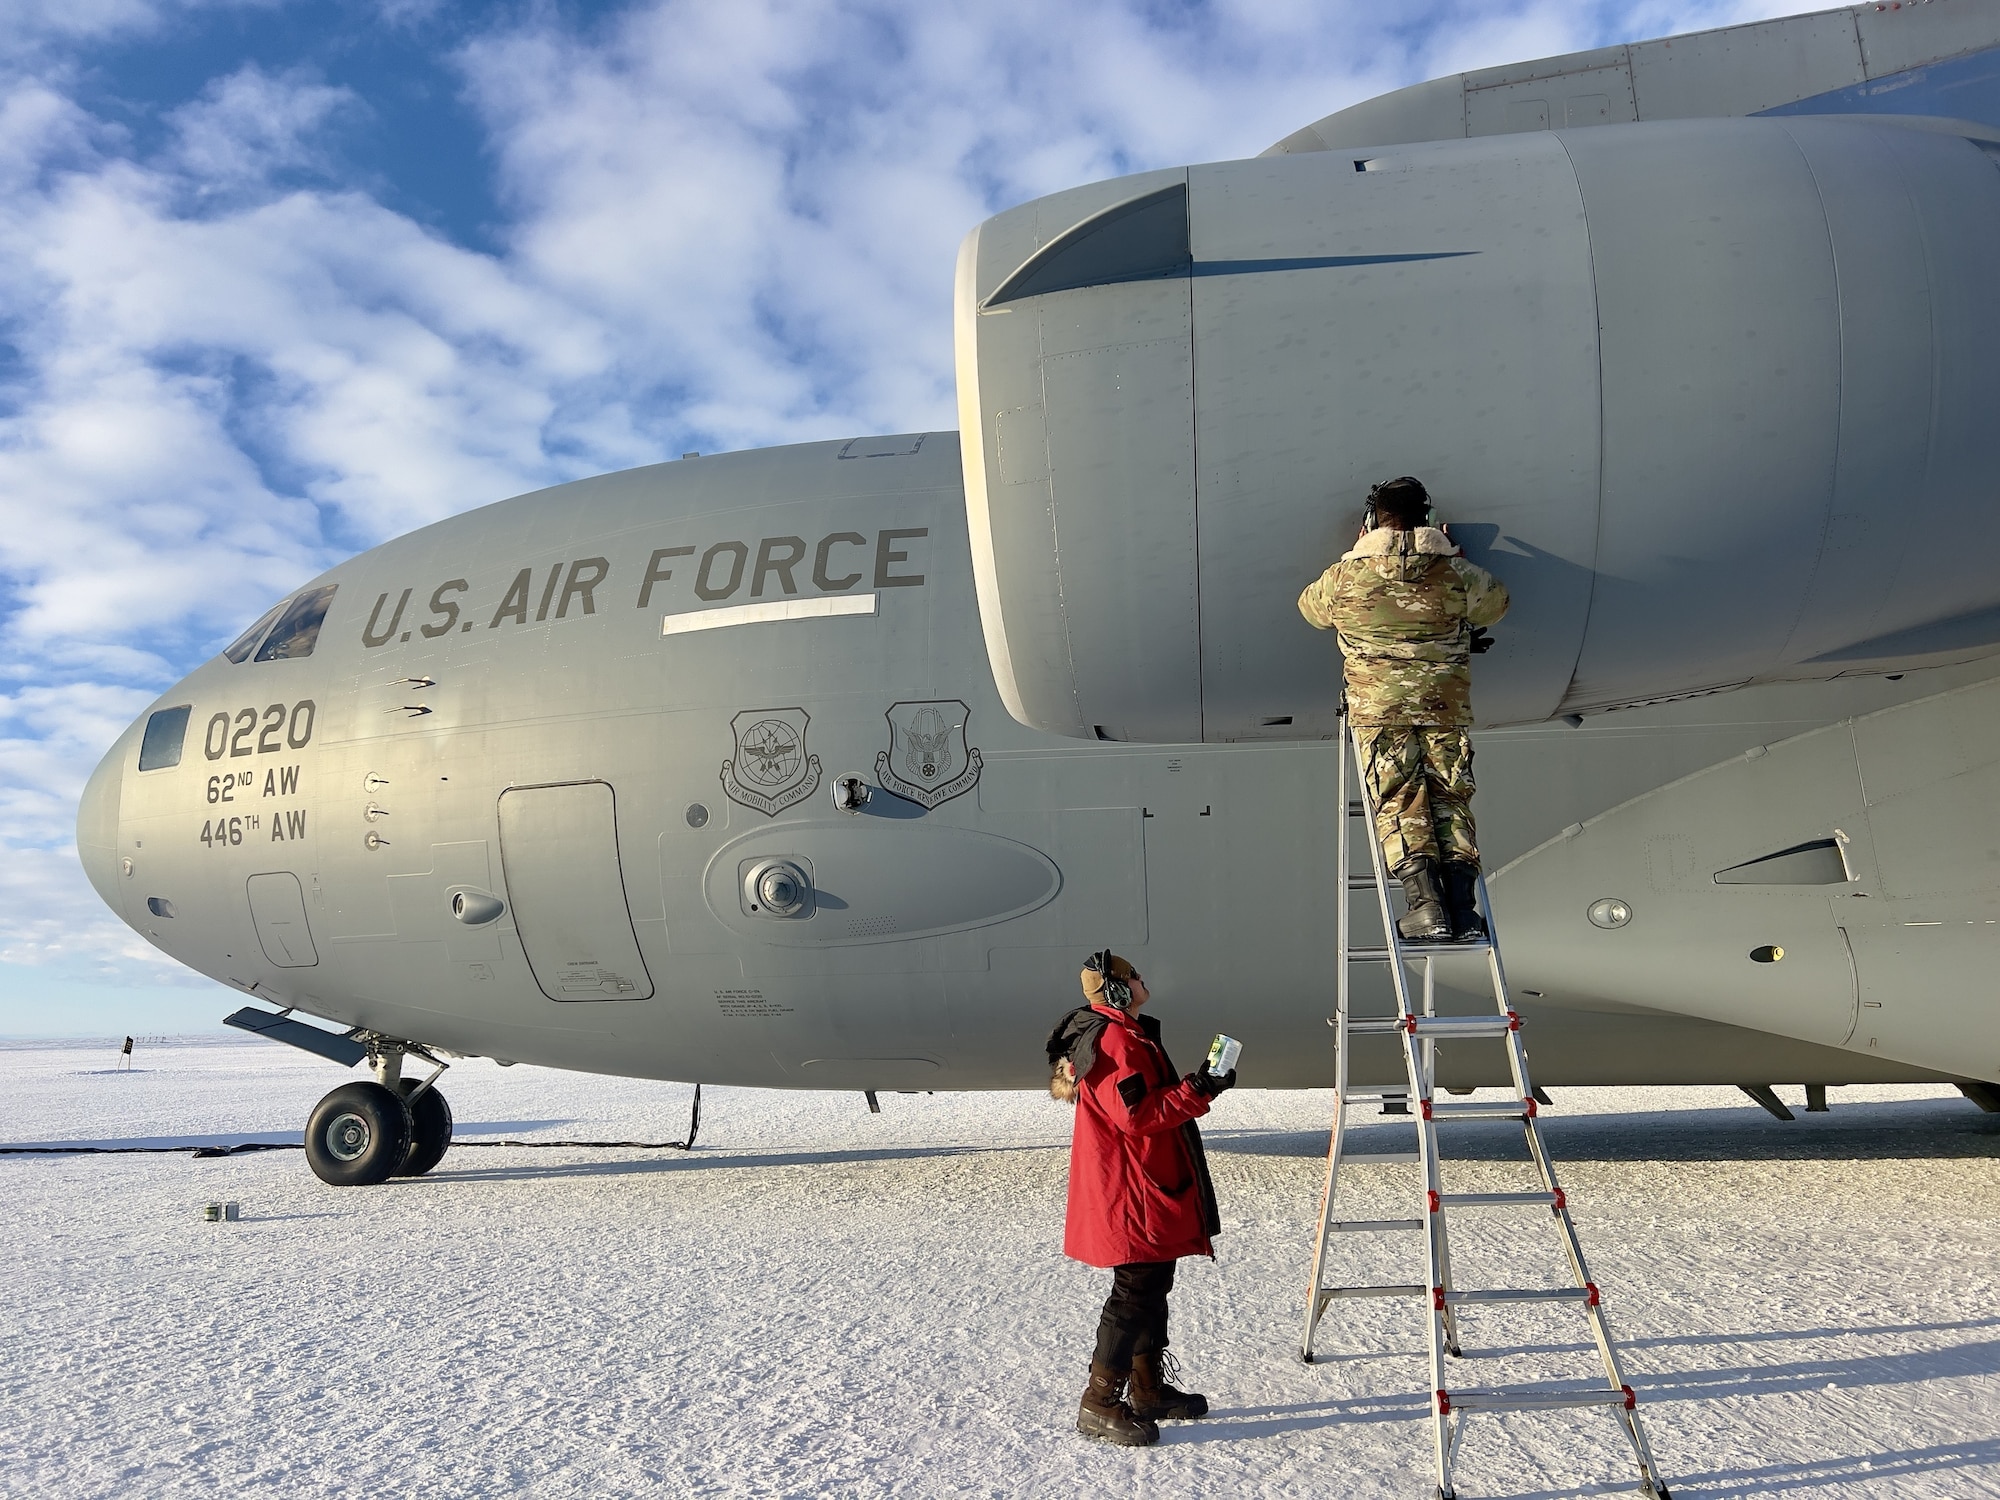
[(1723, 373), (1932, 59), (940, 942), (668, 670), (1891, 937)]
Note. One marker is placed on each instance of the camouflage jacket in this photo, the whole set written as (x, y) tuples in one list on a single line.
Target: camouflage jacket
[(1404, 603)]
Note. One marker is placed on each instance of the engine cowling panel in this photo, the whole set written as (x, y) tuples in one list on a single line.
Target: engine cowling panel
[(1705, 394)]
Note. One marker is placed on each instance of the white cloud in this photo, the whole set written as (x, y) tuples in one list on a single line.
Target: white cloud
[(203, 388), (49, 738), (763, 201), (250, 125), (760, 203), (33, 30)]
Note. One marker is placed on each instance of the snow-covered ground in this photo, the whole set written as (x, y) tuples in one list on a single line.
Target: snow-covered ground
[(822, 1301)]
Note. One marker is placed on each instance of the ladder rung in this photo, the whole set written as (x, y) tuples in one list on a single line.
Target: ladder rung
[(1528, 1294), (1478, 1111), (1497, 1200), (1535, 1400), (1366, 1096), (1361, 882), (1414, 951), (1463, 1026), (1331, 1293), (1377, 1158), (1373, 1226)]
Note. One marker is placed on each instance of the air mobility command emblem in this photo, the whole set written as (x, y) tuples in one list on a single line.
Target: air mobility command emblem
[(928, 760), (771, 768)]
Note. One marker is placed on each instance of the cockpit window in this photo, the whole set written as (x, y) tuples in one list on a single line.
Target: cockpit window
[(247, 642), (165, 733), (297, 630)]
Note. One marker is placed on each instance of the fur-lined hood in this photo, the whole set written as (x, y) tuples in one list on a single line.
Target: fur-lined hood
[(1072, 1046), (1386, 541)]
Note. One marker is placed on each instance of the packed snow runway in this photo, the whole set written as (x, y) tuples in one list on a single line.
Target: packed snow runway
[(818, 1300)]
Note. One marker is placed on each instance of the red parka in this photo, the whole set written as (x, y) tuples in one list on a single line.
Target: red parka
[(1138, 1182)]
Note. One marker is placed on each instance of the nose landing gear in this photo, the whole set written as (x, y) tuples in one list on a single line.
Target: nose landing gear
[(358, 1135), (362, 1134)]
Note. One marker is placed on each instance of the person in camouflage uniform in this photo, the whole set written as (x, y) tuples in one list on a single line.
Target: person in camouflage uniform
[(1410, 611)]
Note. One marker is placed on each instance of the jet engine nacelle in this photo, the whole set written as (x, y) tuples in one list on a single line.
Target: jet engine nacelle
[(1715, 398)]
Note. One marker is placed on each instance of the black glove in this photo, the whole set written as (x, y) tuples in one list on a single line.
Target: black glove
[(1208, 1085), (1481, 641)]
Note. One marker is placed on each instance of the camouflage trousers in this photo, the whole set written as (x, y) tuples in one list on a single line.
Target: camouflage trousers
[(1420, 777)]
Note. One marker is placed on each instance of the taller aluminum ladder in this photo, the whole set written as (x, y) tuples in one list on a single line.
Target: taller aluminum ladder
[(1420, 1028)]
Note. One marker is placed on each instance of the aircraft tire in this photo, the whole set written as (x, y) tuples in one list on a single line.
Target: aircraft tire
[(430, 1134), (358, 1135)]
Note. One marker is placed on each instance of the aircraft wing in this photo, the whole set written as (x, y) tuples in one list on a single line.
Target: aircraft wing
[(1938, 58)]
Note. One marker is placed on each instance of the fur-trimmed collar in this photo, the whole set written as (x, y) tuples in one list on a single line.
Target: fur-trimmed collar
[(1383, 542)]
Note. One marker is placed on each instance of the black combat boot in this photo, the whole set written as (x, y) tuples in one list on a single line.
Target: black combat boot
[(1154, 1397), (1461, 897), (1426, 920), (1104, 1414)]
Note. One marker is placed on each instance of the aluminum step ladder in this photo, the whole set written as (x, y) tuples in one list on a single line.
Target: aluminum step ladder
[(1419, 1028)]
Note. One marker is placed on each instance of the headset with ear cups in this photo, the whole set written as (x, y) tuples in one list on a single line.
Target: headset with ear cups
[(1117, 993), (1370, 519)]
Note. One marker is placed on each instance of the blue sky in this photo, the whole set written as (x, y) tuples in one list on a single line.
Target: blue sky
[(281, 279)]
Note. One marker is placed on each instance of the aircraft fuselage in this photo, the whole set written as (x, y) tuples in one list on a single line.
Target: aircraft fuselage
[(613, 712)]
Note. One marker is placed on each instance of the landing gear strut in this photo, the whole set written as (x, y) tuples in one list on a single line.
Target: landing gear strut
[(365, 1133)]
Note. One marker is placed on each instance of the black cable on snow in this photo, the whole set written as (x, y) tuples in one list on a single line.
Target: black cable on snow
[(201, 1153)]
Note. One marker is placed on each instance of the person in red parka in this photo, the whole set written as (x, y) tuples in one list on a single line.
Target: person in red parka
[(1139, 1193)]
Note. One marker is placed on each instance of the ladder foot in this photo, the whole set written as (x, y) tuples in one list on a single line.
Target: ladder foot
[(1305, 1358), (1454, 1351)]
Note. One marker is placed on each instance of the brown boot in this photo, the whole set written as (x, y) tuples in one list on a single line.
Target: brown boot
[(1104, 1414), (1154, 1398)]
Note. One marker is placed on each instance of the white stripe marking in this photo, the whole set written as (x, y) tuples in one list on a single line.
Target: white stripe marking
[(777, 609)]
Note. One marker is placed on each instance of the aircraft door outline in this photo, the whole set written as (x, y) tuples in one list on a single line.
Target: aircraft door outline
[(278, 911), (566, 884)]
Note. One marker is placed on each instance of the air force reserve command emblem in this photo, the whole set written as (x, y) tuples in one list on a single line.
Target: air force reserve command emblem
[(771, 769), (928, 760)]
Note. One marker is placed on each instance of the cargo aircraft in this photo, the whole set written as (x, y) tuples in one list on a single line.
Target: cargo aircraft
[(823, 766)]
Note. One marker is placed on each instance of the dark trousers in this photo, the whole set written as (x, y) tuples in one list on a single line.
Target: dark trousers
[(1135, 1314)]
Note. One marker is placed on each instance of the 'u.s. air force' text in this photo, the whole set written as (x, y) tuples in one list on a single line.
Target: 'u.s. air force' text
[(836, 563)]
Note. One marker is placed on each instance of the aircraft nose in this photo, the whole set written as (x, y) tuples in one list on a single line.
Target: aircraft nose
[(97, 825)]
